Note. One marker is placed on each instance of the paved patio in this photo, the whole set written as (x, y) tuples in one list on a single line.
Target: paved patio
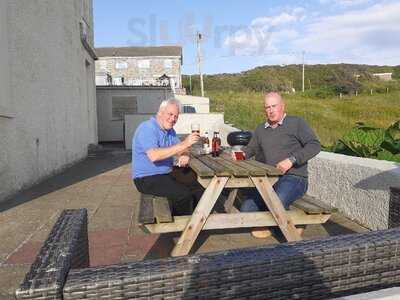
[(102, 184)]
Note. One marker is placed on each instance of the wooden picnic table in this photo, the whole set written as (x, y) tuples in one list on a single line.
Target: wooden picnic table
[(215, 174)]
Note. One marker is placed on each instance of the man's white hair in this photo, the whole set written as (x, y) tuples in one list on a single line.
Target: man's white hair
[(171, 101)]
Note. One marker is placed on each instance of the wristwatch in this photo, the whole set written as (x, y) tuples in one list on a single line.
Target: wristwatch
[(292, 159)]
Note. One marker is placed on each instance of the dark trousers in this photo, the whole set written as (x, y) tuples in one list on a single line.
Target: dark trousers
[(180, 187)]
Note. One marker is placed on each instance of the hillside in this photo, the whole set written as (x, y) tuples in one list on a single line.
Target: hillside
[(240, 96), (331, 118), (332, 78)]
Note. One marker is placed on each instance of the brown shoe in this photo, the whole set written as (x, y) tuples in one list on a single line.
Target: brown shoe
[(261, 233)]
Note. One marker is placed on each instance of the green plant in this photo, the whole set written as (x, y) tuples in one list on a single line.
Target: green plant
[(365, 141), (321, 93), (396, 72)]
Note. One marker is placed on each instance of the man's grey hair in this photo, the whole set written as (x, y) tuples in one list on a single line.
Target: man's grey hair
[(171, 101)]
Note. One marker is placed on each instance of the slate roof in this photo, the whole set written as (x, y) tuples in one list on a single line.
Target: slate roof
[(139, 51)]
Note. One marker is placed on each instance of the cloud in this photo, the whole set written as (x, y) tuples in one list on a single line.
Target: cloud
[(346, 3), (259, 37), (284, 18), (369, 35), (361, 35)]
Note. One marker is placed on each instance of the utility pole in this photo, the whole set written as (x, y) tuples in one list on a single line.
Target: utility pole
[(190, 83), (199, 60), (303, 52)]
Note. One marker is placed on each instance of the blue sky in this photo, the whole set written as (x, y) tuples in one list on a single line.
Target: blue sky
[(240, 35)]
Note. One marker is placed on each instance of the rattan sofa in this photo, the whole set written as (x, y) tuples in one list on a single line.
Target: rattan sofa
[(313, 269), (66, 248)]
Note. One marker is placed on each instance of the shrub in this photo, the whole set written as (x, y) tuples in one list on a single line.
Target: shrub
[(377, 143)]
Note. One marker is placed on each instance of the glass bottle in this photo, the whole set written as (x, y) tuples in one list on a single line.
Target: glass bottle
[(206, 142), (216, 144)]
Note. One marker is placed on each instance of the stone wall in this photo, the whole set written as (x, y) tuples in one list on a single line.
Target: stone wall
[(134, 68), (358, 187), (47, 88)]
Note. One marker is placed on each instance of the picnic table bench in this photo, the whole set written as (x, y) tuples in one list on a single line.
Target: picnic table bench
[(155, 214), (216, 174)]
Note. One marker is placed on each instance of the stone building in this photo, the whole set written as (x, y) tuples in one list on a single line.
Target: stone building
[(47, 89), (139, 66), (383, 76)]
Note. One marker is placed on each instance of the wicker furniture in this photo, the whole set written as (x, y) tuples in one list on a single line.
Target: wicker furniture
[(65, 248), (315, 269), (394, 207)]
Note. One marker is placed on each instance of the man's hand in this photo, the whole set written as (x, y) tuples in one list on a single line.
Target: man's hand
[(284, 165), (157, 154), (233, 156), (183, 160), (191, 139)]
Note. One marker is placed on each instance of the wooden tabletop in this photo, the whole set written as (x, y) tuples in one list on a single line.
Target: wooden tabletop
[(207, 166)]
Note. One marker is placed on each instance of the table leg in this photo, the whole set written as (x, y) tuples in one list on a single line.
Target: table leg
[(228, 205), (199, 217), (276, 208)]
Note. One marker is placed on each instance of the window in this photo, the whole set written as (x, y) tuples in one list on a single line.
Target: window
[(144, 64), (189, 109), (121, 65), (168, 63)]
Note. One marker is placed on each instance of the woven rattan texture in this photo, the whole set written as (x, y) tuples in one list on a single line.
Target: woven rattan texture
[(315, 269), (394, 207), (66, 247)]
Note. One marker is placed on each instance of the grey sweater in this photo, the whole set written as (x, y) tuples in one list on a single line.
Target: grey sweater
[(292, 138)]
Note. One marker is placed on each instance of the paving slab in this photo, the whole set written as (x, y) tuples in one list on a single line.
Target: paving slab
[(105, 238), (10, 277), (150, 246), (26, 254), (111, 216)]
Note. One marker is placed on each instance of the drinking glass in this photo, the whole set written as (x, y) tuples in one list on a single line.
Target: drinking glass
[(195, 127), (239, 155)]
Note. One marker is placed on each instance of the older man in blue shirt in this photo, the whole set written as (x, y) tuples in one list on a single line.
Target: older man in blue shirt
[(154, 147)]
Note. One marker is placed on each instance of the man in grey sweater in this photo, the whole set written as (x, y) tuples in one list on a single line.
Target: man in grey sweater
[(286, 142)]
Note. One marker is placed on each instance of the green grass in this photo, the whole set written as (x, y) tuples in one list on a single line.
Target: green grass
[(330, 118)]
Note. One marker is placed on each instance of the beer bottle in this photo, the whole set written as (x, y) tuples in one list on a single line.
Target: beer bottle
[(218, 144), (214, 145), (206, 143)]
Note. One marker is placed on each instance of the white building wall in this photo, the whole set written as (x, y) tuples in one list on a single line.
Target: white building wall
[(148, 101), (201, 104), (48, 88), (7, 112)]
